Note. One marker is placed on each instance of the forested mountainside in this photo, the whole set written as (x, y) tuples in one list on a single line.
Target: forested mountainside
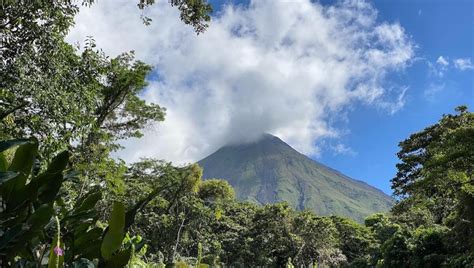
[(269, 171)]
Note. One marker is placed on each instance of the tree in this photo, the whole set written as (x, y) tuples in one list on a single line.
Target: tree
[(430, 248), (382, 226), (88, 102), (212, 190), (85, 103), (319, 241), (193, 12), (357, 242), (232, 231), (187, 213), (436, 175), (33, 34), (24, 24), (272, 239), (397, 250), (173, 208)]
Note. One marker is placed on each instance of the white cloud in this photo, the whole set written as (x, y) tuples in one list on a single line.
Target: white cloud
[(283, 67), (440, 68), (463, 64), (342, 149), (442, 61)]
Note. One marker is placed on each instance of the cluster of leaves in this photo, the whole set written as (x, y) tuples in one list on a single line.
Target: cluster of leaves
[(436, 188), (35, 219)]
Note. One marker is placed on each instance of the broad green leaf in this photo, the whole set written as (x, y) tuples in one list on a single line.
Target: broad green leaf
[(80, 217), (33, 187), (92, 251), (9, 236), (80, 229), (49, 189), (24, 158), (6, 176), (46, 185), (22, 163), (11, 218), (59, 163), (120, 259), (131, 213), (41, 216), (84, 240), (88, 201), (115, 232), (3, 163), (5, 145)]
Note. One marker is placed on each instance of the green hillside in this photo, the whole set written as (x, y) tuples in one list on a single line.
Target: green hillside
[(269, 171)]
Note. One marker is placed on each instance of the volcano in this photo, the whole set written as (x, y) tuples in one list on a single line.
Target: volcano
[(269, 171)]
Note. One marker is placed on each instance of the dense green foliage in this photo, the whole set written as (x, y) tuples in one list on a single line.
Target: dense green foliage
[(36, 220), (270, 171), (436, 185), (65, 202), (186, 216)]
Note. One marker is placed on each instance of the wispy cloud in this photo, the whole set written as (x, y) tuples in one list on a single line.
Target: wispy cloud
[(283, 67), (463, 64), (442, 61), (342, 149), (443, 65), (439, 74), (440, 67)]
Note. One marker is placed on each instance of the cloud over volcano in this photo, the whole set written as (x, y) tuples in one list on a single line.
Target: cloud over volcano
[(283, 67)]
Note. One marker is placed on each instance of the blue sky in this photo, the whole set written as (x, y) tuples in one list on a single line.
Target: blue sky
[(343, 82), (438, 28)]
